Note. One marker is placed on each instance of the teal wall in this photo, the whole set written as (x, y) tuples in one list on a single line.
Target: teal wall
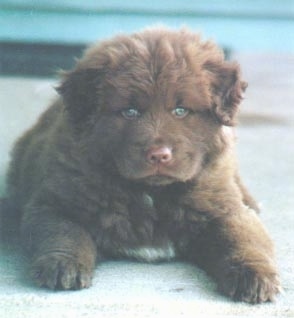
[(248, 25)]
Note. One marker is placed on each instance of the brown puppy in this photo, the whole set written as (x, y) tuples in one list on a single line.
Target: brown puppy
[(137, 159)]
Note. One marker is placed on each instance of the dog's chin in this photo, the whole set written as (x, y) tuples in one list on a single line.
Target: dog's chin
[(158, 180), (150, 178)]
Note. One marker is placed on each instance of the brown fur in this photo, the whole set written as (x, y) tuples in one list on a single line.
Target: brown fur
[(87, 186)]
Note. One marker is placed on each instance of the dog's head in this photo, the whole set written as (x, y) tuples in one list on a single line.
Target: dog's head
[(154, 103)]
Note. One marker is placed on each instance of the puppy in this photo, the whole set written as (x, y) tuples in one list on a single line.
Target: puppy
[(136, 159)]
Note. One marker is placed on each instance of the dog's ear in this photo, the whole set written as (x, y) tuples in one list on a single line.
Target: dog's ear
[(227, 90), (79, 90)]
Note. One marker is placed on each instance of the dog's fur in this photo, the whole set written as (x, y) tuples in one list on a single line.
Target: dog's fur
[(137, 159)]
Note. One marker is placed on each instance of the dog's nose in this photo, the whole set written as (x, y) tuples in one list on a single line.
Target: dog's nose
[(161, 155)]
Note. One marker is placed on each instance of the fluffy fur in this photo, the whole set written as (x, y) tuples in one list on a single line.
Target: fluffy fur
[(136, 159)]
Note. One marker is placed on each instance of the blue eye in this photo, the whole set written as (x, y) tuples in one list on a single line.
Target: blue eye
[(180, 112), (131, 113)]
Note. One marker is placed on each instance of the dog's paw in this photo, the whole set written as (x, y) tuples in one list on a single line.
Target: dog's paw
[(244, 284), (60, 272)]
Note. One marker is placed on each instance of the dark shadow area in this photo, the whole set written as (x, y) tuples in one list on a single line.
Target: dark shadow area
[(37, 59)]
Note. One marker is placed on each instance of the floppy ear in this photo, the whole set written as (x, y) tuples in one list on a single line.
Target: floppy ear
[(79, 91), (227, 91)]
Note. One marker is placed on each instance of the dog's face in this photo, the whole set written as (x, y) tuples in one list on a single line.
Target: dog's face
[(156, 103)]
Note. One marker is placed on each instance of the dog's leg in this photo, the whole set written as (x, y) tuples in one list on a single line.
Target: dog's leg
[(237, 251), (63, 254)]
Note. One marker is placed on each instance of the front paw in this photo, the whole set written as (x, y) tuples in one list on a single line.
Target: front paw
[(243, 283), (60, 272)]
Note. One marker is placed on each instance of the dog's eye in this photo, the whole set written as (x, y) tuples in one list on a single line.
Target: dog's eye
[(180, 112), (131, 113)]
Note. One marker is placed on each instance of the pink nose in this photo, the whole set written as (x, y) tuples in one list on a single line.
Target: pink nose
[(161, 155)]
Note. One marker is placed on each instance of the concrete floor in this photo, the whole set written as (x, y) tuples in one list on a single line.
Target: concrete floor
[(127, 289)]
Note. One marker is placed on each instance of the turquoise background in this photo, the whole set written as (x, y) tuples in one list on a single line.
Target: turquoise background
[(247, 25)]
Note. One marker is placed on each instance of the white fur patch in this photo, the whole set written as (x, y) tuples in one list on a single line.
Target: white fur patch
[(228, 132), (151, 254)]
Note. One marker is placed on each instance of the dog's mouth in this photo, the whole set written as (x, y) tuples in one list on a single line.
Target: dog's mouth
[(158, 176)]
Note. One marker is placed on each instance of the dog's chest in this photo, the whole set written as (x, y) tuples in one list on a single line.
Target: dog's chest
[(160, 249)]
